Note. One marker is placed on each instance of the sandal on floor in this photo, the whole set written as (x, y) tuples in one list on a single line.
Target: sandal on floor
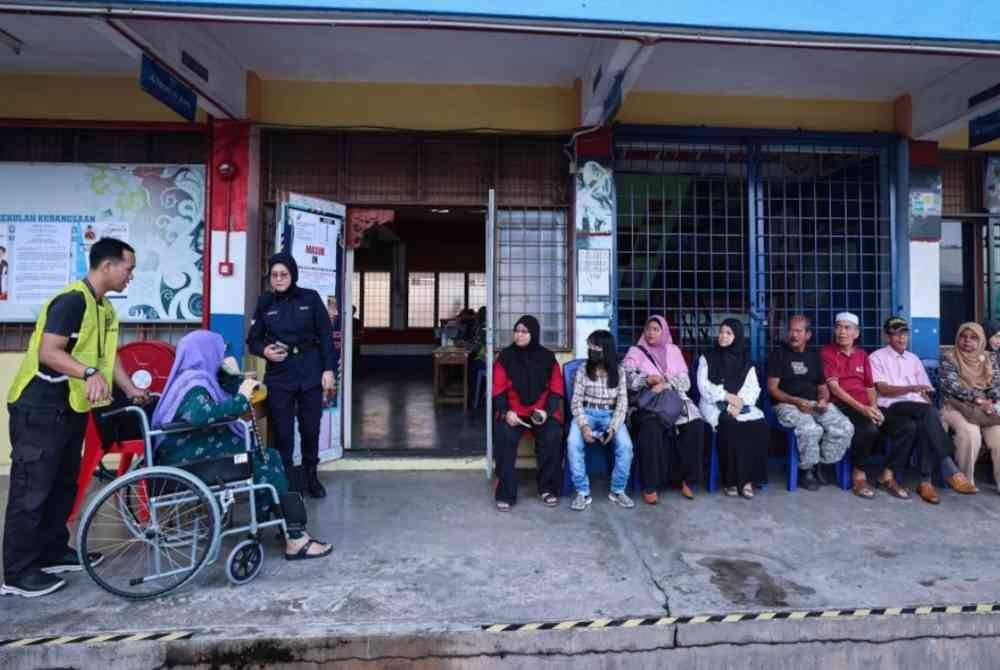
[(893, 488), (503, 506), (303, 553), (862, 489), (747, 491), (549, 500)]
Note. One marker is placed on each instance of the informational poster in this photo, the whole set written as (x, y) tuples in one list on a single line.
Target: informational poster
[(310, 229), (593, 273), (51, 214)]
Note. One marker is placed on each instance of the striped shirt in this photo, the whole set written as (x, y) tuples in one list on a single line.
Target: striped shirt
[(595, 394)]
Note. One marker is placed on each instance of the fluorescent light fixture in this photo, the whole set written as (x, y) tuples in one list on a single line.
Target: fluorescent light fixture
[(440, 211), (15, 44)]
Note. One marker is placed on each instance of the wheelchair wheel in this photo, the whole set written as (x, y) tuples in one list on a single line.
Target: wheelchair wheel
[(167, 533), (245, 562)]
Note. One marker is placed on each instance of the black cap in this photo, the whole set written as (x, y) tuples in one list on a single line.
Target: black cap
[(895, 324)]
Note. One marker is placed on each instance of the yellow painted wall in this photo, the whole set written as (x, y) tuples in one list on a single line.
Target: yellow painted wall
[(960, 140), (756, 112), (9, 363), (420, 107), (57, 97)]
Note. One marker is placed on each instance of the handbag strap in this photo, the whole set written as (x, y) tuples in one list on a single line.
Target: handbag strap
[(652, 360)]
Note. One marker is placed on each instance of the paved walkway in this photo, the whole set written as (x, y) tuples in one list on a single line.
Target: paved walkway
[(418, 550)]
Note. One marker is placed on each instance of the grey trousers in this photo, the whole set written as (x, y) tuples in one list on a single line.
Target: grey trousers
[(823, 438)]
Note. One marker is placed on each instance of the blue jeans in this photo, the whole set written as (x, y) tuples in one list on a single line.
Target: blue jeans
[(599, 420)]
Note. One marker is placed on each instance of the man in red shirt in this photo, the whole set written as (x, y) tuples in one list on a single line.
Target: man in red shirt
[(849, 377)]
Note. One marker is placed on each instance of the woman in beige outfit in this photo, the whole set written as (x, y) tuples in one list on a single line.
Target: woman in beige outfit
[(970, 389)]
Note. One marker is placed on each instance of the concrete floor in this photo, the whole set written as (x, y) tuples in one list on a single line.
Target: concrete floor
[(393, 410), (427, 550)]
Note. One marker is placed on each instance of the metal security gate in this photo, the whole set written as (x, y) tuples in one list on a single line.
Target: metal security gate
[(756, 230)]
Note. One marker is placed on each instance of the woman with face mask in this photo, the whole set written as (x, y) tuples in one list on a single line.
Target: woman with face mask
[(599, 406), (728, 387), (656, 363)]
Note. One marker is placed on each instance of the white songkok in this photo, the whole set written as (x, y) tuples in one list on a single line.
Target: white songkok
[(847, 317)]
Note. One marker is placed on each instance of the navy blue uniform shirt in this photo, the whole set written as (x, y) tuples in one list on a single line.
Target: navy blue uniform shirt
[(299, 320)]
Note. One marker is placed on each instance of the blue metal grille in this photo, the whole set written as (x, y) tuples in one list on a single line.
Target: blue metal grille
[(753, 230)]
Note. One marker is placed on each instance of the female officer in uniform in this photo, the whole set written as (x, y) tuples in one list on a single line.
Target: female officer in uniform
[(291, 330)]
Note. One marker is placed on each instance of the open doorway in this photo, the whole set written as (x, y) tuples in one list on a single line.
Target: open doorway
[(418, 286)]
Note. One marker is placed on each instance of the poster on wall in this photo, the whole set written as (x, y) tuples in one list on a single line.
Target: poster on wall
[(51, 214), (310, 230)]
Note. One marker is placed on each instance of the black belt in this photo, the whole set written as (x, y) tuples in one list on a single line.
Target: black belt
[(297, 349)]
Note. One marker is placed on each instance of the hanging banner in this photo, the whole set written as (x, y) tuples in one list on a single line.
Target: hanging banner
[(310, 229), (51, 214)]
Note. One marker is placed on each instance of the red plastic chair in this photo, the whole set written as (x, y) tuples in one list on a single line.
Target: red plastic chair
[(148, 363)]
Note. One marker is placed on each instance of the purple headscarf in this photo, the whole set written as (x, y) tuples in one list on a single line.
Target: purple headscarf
[(199, 358)]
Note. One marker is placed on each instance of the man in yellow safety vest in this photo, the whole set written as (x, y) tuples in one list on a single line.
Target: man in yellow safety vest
[(69, 368)]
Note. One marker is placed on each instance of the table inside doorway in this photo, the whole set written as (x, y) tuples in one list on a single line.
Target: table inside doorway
[(447, 390)]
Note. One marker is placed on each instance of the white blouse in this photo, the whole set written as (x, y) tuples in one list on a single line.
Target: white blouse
[(712, 393)]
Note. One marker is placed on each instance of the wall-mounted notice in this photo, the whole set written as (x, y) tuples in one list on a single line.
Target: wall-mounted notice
[(593, 273), (51, 214)]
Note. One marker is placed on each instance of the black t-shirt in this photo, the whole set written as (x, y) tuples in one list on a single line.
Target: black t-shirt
[(800, 372), (50, 390)]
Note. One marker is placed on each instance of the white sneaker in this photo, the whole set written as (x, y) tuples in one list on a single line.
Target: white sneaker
[(580, 502), (621, 499), (731, 491)]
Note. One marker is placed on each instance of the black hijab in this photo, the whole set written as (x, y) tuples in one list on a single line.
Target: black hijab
[(991, 327), (729, 366), (530, 367), (286, 259)]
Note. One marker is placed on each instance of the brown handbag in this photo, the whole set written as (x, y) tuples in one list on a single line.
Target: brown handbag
[(972, 413)]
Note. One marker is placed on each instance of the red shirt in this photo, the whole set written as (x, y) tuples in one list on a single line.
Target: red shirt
[(853, 373), (503, 384)]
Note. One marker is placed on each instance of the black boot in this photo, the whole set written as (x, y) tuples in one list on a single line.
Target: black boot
[(807, 479), (821, 475), (314, 486)]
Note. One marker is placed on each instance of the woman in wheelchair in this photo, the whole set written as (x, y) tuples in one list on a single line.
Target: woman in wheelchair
[(201, 391)]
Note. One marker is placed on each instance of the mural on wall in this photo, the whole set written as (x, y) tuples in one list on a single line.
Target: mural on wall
[(595, 226), (51, 215)]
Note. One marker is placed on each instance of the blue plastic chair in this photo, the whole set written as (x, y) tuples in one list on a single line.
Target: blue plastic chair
[(599, 458), (480, 386)]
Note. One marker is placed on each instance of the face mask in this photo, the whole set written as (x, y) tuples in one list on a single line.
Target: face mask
[(595, 356)]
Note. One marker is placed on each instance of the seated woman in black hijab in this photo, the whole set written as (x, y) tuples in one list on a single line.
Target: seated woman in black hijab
[(528, 393)]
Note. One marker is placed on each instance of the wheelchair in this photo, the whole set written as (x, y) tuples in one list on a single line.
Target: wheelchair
[(158, 526)]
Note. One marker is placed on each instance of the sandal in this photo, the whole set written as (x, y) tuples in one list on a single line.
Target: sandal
[(549, 500), (862, 489), (503, 506), (303, 553), (747, 491), (894, 489)]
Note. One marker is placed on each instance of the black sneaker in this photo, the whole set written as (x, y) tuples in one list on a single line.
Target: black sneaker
[(822, 476), (807, 480), (32, 585), (314, 486), (70, 562)]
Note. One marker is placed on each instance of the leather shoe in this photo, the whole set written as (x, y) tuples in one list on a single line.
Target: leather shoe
[(314, 486), (821, 475), (961, 483), (650, 498), (927, 491), (807, 479)]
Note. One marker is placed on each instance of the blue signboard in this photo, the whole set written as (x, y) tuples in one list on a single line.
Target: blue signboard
[(974, 20), (168, 89), (984, 129)]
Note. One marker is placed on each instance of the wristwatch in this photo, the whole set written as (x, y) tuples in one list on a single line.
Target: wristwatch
[(89, 372)]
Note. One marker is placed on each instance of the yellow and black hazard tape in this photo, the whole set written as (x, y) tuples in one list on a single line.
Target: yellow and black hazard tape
[(97, 638), (598, 624)]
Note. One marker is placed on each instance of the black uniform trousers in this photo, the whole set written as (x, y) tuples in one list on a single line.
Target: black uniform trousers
[(284, 406), (663, 455), (917, 425), (866, 438), (742, 450), (548, 453), (46, 445)]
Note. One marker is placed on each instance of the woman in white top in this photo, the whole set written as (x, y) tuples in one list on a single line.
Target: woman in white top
[(729, 390)]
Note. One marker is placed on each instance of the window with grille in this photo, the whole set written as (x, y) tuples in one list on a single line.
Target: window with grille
[(451, 294), (356, 292), (477, 290), (531, 273), (420, 300), (376, 299)]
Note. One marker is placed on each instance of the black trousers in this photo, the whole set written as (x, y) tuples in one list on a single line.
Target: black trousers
[(742, 450), (46, 446), (548, 452), (866, 436), (665, 457), (284, 407), (918, 425)]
